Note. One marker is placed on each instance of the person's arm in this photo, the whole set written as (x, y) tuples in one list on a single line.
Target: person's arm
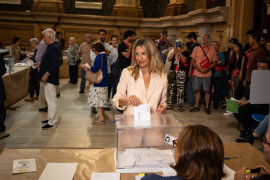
[(127, 54), (242, 68), (162, 107), (171, 54), (184, 58), (80, 51), (241, 174), (97, 64)]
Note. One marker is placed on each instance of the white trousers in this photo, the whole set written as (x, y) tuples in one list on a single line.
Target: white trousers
[(50, 95), (41, 100)]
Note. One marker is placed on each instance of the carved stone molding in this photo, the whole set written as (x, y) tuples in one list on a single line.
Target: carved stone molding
[(175, 9), (54, 6)]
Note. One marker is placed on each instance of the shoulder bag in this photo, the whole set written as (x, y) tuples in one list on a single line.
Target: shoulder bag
[(95, 77)]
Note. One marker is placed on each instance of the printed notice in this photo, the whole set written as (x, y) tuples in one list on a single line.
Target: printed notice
[(24, 165)]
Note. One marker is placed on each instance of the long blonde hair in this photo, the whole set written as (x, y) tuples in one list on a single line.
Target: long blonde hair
[(156, 64)]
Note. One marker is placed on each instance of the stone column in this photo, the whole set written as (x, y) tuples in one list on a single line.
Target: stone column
[(175, 8), (240, 19), (267, 2), (53, 6), (127, 8)]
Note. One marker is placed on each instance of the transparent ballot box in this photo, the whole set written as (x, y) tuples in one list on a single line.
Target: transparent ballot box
[(142, 143)]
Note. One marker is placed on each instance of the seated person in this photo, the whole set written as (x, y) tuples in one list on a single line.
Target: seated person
[(246, 110), (199, 155), (264, 173), (144, 82)]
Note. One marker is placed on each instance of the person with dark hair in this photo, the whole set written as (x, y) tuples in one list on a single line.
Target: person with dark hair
[(267, 47), (192, 37), (217, 74), (125, 49), (163, 44), (98, 95), (177, 87), (254, 55), (263, 41), (196, 161), (102, 38), (16, 50), (113, 62), (60, 38), (237, 70), (84, 53), (3, 134)]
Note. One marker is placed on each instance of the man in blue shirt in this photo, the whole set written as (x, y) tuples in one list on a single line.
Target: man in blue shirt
[(49, 76)]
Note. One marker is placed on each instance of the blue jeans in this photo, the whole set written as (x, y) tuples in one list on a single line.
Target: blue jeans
[(82, 86), (191, 91), (261, 130)]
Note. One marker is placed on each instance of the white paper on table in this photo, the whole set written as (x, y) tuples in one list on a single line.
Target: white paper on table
[(24, 165), (229, 173), (59, 171), (105, 176), (142, 115)]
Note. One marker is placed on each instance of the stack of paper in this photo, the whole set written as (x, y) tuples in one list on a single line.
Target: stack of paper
[(58, 171), (143, 157)]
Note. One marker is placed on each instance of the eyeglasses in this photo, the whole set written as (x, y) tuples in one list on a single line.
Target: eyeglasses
[(174, 143), (263, 140)]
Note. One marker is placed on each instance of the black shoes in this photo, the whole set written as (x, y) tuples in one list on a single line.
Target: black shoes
[(47, 126), (45, 122), (194, 109), (93, 110), (3, 135), (207, 111), (107, 109), (43, 109), (249, 139), (81, 91)]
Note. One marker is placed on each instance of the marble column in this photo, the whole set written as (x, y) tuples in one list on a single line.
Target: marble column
[(240, 19), (53, 6), (175, 8), (127, 8)]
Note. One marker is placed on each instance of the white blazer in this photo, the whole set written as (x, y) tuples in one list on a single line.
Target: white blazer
[(156, 94)]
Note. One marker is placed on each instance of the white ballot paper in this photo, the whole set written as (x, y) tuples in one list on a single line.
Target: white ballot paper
[(24, 165), (142, 115), (105, 176), (58, 171)]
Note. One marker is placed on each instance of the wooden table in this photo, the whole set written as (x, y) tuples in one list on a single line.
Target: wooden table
[(102, 160), (19, 84)]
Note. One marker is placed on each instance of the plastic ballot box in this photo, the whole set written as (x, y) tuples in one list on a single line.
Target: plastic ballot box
[(148, 141)]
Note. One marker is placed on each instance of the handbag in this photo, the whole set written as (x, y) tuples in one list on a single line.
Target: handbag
[(205, 63), (95, 77)]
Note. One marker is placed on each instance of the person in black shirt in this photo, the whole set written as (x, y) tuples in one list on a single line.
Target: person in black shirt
[(2, 95), (49, 75), (177, 86), (125, 49), (190, 81)]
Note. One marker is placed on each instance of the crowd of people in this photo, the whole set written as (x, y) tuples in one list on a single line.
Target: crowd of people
[(159, 73)]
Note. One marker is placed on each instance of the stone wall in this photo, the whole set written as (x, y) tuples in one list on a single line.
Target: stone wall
[(29, 25)]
